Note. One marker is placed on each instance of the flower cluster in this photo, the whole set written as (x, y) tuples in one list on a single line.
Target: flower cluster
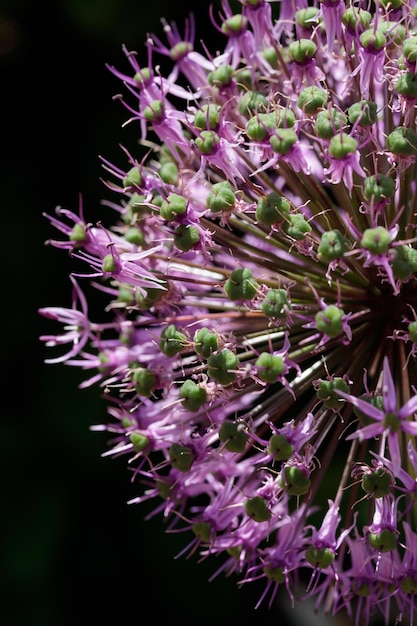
[(258, 347)]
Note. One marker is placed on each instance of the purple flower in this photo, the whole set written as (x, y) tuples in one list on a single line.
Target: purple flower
[(258, 340)]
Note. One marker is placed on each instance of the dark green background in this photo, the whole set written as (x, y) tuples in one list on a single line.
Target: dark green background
[(71, 548)]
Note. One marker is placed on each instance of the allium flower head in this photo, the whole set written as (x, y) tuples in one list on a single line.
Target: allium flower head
[(257, 351)]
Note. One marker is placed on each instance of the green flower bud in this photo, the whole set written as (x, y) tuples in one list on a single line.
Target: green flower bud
[(241, 285), (234, 25), (140, 442), (205, 342), (404, 263), (377, 240), (252, 102), (378, 187), (169, 173), (385, 541), (406, 85), (257, 509), (154, 112), (373, 39), (135, 236), (186, 237), (302, 50), (296, 226), (269, 367), (363, 113), (181, 457), (312, 99), (193, 396), (173, 206), (402, 142), (332, 246), (330, 321), (145, 381), (275, 304), (221, 76), (328, 123), (378, 483), (222, 365), (327, 392), (207, 142), (133, 178), (172, 340), (341, 145), (412, 331), (294, 481), (233, 436), (221, 197), (280, 447), (283, 140), (272, 209), (319, 558), (208, 117)]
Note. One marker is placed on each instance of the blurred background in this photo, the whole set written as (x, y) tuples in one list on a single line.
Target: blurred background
[(71, 548)]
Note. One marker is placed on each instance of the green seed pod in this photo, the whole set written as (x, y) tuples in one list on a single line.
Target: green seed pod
[(377, 240), (385, 541), (356, 20), (402, 142), (270, 55), (234, 25), (202, 530), (154, 112), (243, 78), (186, 237), (376, 401), (221, 366), (373, 39), (280, 447), (328, 123), (341, 145), (208, 117), (283, 140), (143, 76), (312, 99), (164, 489), (109, 264), (205, 342), (221, 76), (394, 32), (181, 457), (320, 558), (135, 236), (180, 50), (169, 173), (302, 50), (330, 321), (257, 509), (145, 301), (404, 263), (377, 484), (193, 396), (296, 226), (410, 49), (173, 206), (412, 331), (241, 285), (364, 113), (327, 392), (272, 209), (378, 187), (295, 482), (78, 234), (140, 442), (207, 142), (306, 18), (269, 367), (172, 340), (276, 574), (233, 436), (133, 178), (145, 381), (221, 197), (409, 585), (406, 85), (275, 304), (332, 246), (252, 102)]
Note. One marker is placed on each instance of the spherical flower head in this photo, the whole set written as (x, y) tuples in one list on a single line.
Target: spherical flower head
[(257, 345)]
